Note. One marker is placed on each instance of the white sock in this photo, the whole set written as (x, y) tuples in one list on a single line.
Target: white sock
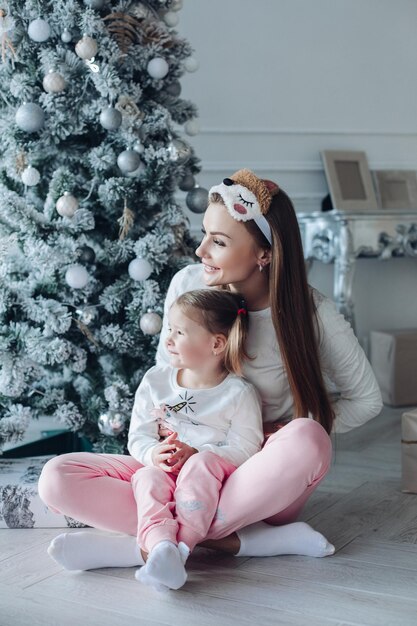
[(88, 550), (164, 568), (262, 539)]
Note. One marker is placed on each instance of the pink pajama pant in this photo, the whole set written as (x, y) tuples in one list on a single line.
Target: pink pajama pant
[(179, 507), (273, 485)]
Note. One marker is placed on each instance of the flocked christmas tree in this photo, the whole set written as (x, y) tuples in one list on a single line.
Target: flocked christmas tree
[(91, 154)]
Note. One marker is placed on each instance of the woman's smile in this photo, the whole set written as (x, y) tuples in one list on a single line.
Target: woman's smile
[(210, 268)]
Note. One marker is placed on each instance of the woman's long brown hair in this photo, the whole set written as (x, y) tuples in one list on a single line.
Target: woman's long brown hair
[(293, 310)]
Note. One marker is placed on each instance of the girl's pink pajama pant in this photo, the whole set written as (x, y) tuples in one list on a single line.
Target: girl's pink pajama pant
[(273, 485), (179, 507)]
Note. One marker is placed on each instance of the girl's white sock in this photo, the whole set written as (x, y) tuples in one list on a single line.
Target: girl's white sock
[(89, 550), (164, 568), (262, 539)]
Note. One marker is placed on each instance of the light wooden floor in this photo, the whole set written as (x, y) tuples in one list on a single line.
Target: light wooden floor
[(372, 578)]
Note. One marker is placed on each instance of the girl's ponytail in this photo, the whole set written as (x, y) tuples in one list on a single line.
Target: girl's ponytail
[(235, 353)]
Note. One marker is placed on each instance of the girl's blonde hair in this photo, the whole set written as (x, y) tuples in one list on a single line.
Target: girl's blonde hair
[(223, 312)]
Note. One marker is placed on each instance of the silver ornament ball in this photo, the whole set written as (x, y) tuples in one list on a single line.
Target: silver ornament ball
[(77, 276), (67, 204), (179, 151), (187, 182), (139, 269), (128, 161), (30, 117), (95, 4), (110, 118), (197, 200), (174, 88), (137, 173), (86, 48), (111, 423), (66, 36), (157, 67), (30, 176), (86, 254), (138, 147), (54, 82), (150, 323), (39, 30), (86, 314)]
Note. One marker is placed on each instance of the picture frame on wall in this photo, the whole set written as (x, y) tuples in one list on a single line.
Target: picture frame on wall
[(350, 181), (396, 189)]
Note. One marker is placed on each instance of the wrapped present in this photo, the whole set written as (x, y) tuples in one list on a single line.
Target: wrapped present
[(20, 504), (409, 451), (394, 362)]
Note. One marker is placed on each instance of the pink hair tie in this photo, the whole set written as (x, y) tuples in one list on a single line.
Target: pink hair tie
[(239, 311)]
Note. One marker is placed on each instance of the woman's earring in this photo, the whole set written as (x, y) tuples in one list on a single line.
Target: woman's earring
[(261, 267)]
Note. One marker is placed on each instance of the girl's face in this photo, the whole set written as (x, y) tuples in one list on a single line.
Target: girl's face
[(189, 344), (228, 251)]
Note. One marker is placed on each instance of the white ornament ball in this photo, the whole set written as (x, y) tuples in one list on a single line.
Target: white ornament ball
[(171, 19), (77, 276), (86, 48), (66, 36), (192, 127), (30, 176), (110, 118), (139, 269), (128, 161), (150, 323), (66, 205), (176, 5), (157, 67), (39, 30), (54, 82), (191, 64), (30, 117)]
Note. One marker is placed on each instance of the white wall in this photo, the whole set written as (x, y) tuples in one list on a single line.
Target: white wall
[(280, 80)]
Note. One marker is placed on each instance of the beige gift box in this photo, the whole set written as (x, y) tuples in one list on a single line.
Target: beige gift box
[(394, 362), (409, 451)]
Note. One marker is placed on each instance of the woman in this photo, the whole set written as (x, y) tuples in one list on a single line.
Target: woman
[(302, 347)]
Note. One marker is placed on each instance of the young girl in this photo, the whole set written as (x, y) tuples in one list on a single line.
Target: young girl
[(216, 425)]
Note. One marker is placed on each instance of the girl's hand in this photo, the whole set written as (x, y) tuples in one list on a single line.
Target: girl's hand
[(163, 452), (164, 428), (182, 454)]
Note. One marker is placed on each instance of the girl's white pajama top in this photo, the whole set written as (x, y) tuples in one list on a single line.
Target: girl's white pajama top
[(225, 419)]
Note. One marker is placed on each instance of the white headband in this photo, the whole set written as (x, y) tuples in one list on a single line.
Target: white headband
[(247, 197)]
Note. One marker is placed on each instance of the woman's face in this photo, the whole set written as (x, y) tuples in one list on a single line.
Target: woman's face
[(227, 251)]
